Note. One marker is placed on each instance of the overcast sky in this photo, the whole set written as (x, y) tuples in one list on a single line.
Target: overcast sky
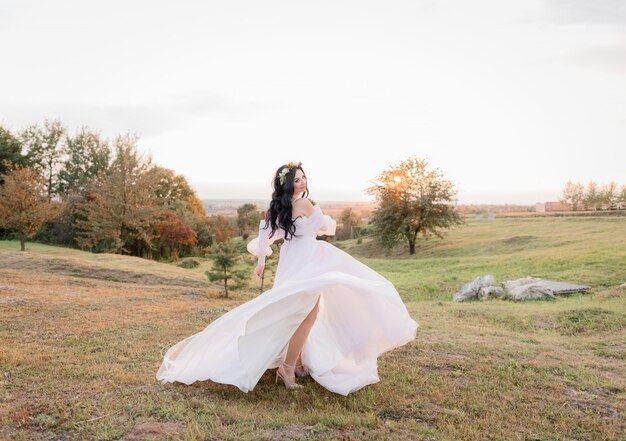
[(510, 99)]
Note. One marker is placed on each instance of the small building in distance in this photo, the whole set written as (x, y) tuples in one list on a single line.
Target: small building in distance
[(542, 207)]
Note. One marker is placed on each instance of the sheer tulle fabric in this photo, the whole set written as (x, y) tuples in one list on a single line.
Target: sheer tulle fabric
[(360, 317)]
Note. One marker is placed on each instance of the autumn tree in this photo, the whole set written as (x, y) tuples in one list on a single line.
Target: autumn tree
[(172, 191), (592, 197), (609, 194), (118, 213), (44, 151), (175, 234), (412, 201), (223, 228), (24, 205), (621, 197), (248, 218), (224, 267), (573, 195)]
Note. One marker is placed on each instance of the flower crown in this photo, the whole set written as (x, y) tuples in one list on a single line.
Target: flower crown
[(286, 170)]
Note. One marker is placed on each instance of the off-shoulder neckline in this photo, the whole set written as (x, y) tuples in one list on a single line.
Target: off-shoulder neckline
[(306, 217)]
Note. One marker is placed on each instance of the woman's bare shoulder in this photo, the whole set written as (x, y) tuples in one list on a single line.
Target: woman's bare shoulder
[(302, 206)]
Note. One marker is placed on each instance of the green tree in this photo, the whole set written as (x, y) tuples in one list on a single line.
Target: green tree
[(87, 158), (224, 269), (412, 200), (349, 221), (248, 218), (24, 206), (10, 151), (45, 150)]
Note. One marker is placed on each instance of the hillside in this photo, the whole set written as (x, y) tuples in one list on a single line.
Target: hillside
[(581, 250), (83, 335)]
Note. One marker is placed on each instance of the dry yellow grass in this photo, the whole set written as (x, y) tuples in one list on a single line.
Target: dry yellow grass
[(79, 353)]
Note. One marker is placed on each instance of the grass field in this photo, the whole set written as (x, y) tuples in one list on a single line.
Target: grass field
[(83, 335)]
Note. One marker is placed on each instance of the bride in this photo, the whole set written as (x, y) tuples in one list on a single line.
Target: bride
[(328, 316)]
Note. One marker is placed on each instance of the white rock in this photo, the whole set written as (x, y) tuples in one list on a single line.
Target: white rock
[(512, 284), (470, 290), (527, 288), (489, 292)]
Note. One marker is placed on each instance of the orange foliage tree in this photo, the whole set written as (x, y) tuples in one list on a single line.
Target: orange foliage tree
[(175, 234), (24, 205), (224, 230), (412, 200)]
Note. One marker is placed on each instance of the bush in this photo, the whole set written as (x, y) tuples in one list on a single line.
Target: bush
[(189, 264)]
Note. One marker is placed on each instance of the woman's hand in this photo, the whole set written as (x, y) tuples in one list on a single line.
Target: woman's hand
[(259, 270)]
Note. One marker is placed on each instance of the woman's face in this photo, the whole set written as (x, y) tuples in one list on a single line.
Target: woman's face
[(299, 183)]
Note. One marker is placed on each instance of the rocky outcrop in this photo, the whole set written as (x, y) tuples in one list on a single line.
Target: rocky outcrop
[(526, 288), (490, 292), (470, 291)]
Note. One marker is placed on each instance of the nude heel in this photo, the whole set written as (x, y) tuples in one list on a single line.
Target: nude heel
[(285, 378), (301, 371)]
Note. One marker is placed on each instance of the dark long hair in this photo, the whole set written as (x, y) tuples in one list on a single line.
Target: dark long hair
[(279, 213)]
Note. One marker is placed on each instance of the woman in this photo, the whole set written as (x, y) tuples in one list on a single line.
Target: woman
[(328, 315)]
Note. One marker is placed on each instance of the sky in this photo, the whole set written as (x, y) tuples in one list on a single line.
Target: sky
[(509, 99)]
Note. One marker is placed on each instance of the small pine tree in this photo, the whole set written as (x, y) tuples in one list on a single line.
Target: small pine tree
[(224, 264)]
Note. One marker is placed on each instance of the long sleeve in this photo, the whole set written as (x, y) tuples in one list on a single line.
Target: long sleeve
[(328, 227), (261, 246)]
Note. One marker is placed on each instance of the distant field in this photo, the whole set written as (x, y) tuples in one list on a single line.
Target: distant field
[(83, 335), (582, 250)]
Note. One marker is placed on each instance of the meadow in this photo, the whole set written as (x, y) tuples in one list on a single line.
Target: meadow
[(82, 336)]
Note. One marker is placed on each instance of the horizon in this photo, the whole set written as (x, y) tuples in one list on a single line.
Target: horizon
[(508, 100), (245, 192)]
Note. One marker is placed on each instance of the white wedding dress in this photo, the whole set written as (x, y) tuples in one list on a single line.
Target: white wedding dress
[(360, 316)]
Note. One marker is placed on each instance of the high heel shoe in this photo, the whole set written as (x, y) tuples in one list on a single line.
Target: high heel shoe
[(301, 370), (285, 377)]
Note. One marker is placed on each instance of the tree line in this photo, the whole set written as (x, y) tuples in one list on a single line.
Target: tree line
[(593, 196), (102, 195), (99, 194)]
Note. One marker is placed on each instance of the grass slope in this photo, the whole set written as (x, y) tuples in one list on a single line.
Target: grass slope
[(584, 251), (79, 350)]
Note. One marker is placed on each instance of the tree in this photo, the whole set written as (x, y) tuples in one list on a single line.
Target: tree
[(175, 234), (248, 218), (24, 205), (609, 195), (412, 200), (10, 152), (224, 263), (45, 152), (87, 158), (349, 221), (621, 198), (119, 213), (592, 196), (223, 228), (573, 195)]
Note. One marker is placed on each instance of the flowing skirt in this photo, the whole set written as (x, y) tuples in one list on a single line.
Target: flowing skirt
[(361, 316)]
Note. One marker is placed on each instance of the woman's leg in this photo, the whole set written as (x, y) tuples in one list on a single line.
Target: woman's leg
[(299, 337)]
